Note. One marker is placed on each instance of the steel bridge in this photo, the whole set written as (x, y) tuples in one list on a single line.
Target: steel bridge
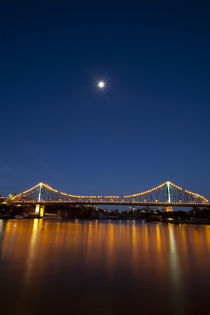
[(165, 195)]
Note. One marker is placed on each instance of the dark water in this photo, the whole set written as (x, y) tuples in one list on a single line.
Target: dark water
[(95, 267)]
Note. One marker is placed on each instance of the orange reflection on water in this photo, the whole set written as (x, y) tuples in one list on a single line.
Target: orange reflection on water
[(121, 259)]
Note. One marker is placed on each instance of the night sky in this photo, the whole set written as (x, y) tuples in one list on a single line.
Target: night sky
[(148, 125)]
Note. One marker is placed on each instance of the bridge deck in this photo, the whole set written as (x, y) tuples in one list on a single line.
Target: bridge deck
[(117, 203)]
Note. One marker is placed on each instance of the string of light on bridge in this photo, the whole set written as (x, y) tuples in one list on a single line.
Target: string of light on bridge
[(112, 197)]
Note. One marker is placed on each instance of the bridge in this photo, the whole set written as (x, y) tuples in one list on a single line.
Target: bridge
[(165, 195)]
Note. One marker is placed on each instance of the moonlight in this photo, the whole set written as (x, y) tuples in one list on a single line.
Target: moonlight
[(101, 84)]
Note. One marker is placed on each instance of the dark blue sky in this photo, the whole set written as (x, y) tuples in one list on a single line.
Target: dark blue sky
[(149, 125)]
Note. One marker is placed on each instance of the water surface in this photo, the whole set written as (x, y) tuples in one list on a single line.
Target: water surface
[(98, 267)]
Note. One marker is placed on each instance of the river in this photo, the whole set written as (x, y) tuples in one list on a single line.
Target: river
[(103, 267)]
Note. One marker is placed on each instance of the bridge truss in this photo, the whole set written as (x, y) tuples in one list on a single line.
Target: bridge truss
[(167, 194)]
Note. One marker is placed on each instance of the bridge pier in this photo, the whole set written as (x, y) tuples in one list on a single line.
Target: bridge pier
[(40, 209), (169, 197)]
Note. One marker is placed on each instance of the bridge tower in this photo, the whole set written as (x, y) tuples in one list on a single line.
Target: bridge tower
[(40, 208), (169, 197)]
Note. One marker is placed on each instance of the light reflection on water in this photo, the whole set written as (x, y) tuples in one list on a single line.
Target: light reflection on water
[(96, 267)]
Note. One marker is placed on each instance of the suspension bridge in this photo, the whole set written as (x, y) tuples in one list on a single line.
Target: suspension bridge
[(165, 195)]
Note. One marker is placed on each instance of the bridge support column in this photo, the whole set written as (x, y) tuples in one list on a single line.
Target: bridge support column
[(169, 197), (40, 210)]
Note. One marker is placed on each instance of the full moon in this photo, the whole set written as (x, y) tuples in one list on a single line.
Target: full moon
[(101, 84)]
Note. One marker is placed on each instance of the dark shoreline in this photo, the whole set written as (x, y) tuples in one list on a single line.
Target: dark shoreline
[(194, 216)]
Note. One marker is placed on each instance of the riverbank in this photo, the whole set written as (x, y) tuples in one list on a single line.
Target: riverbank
[(194, 216)]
